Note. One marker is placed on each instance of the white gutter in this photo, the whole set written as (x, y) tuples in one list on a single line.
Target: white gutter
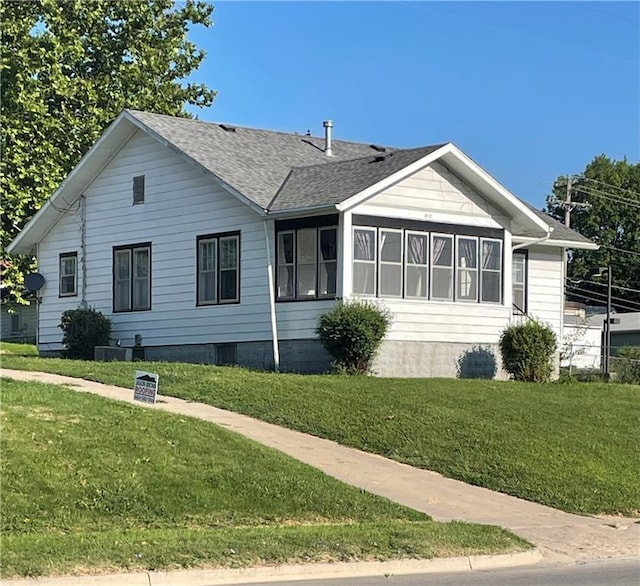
[(272, 302), (537, 241)]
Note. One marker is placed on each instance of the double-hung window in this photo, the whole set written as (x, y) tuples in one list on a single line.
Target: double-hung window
[(218, 278), (132, 277), (417, 265), (441, 266), (519, 281), (364, 261), (307, 262), (467, 268), (68, 274), (491, 271)]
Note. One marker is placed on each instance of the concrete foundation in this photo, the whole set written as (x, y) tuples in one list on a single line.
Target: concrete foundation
[(438, 359)]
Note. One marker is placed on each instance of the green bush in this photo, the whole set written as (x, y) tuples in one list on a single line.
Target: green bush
[(84, 329), (527, 351), (352, 333), (626, 365)]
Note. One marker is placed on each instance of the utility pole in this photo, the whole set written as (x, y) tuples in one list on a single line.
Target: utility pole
[(567, 204)]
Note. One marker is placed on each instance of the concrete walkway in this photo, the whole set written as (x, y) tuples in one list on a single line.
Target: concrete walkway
[(559, 536)]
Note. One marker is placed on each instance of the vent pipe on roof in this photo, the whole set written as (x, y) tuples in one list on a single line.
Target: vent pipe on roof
[(328, 125)]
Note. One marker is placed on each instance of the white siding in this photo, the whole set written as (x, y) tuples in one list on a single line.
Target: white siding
[(181, 203), (432, 321), (435, 194), (545, 286)]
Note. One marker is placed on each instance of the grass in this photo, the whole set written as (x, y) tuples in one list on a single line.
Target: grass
[(572, 446), (92, 485), (18, 349)]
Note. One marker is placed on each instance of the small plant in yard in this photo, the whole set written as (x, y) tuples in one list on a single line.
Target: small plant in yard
[(626, 365), (352, 333), (84, 329), (527, 351)]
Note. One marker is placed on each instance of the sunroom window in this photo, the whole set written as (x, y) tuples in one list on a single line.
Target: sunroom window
[(441, 267), (364, 261), (491, 287), (307, 260), (417, 269), (467, 267), (390, 275)]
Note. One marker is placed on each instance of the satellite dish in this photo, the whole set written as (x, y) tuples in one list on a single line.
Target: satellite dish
[(33, 282)]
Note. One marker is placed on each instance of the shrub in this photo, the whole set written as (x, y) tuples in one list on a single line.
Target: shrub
[(84, 329), (527, 351), (626, 365), (352, 333)]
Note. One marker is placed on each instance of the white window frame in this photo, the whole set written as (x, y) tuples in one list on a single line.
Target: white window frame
[(520, 285), (433, 266), (132, 279), (63, 274), (373, 262), (407, 264), (381, 263), (475, 270), (499, 270)]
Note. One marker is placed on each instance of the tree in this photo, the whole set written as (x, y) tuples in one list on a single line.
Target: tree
[(68, 68), (608, 212)]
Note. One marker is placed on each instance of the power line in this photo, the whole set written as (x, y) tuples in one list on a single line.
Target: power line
[(603, 284), (610, 186), (616, 301), (591, 191), (623, 250)]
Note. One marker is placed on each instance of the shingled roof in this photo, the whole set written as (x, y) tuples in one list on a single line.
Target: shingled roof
[(254, 162)]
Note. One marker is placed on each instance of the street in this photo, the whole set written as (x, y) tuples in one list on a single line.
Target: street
[(600, 573)]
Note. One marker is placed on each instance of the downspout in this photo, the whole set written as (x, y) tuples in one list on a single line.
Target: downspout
[(272, 302), (83, 249), (538, 241)]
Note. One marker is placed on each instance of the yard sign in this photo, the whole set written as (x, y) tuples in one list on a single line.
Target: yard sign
[(146, 387)]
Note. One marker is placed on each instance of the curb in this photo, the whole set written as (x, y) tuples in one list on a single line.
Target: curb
[(291, 572)]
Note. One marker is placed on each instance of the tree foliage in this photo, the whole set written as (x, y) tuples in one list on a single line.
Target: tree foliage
[(68, 68), (611, 218)]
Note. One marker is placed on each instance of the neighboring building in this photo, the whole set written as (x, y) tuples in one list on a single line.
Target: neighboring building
[(625, 331), (221, 244), (19, 324), (581, 346)]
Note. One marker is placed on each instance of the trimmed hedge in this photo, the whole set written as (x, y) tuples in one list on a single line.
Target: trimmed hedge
[(527, 351), (84, 329)]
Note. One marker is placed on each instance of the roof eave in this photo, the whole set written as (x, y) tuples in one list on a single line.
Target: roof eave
[(557, 243), (73, 185)]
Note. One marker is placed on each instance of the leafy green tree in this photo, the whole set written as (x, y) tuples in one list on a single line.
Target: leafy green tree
[(68, 68), (607, 194)]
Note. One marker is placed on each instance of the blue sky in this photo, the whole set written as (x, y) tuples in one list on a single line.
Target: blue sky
[(529, 90)]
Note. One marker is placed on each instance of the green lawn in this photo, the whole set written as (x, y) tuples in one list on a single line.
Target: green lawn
[(91, 485), (573, 446)]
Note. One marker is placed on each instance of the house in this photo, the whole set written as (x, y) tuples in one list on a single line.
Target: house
[(18, 323), (220, 244), (625, 331)]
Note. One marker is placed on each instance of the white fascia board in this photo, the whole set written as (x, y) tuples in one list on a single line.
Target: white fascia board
[(178, 151), (504, 194), (372, 190), (73, 185), (557, 243)]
